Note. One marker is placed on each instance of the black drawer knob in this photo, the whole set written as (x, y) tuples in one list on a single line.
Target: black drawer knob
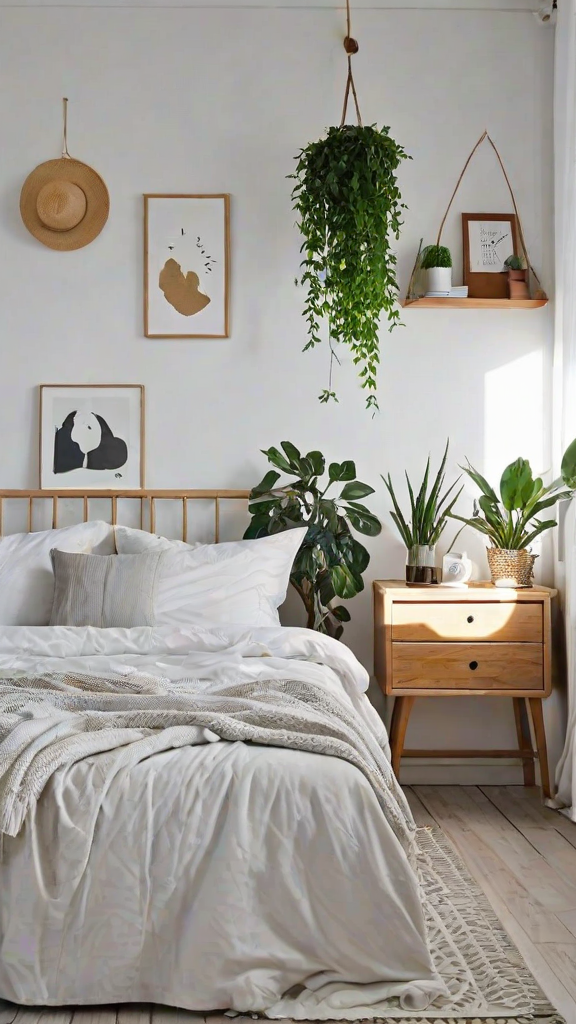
[(470, 618), (473, 665)]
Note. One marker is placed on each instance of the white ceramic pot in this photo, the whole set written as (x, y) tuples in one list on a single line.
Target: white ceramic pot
[(439, 279)]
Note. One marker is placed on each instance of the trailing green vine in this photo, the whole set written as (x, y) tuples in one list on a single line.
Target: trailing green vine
[(349, 207)]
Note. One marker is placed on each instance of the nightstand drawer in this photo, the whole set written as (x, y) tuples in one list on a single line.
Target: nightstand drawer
[(450, 666), (454, 620)]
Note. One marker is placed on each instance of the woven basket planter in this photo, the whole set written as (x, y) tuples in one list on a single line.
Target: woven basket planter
[(511, 568)]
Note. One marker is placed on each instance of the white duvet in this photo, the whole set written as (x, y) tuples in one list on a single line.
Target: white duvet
[(226, 875)]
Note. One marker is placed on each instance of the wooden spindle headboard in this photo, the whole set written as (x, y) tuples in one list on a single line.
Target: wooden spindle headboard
[(147, 500)]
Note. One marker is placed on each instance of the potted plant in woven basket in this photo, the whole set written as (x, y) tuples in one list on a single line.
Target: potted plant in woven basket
[(421, 531), (511, 521)]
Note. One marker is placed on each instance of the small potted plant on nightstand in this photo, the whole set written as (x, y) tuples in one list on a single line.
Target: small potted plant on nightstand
[(437, 261), (429, 513), (511, 521), (517, 278)]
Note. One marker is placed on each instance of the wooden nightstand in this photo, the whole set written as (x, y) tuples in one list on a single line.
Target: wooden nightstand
[(481, 641)]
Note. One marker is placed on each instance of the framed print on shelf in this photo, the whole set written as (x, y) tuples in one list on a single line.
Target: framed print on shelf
[(92, 437), (186, 266), (489, 238)]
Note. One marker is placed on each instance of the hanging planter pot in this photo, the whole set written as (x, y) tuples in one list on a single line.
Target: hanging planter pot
[(350, 212)]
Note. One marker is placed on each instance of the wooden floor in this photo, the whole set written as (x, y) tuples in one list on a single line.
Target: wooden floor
[(523, 856)]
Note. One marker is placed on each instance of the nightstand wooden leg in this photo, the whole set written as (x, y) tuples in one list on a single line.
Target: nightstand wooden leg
[(524, 739), (535, 704), (400, 715)]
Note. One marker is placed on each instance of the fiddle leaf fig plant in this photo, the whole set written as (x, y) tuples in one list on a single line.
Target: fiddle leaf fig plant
[(349, 207), (330, 562)]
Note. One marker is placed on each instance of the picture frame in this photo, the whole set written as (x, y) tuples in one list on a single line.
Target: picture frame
[(488, 240), (186, 265), (92, 437)]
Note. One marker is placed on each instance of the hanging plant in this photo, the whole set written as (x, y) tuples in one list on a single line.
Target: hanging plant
[(349, 207)]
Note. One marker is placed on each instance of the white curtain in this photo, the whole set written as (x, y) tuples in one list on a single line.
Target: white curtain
[(565, 355)]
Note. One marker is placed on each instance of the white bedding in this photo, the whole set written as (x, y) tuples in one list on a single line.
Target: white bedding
[(216, 876)]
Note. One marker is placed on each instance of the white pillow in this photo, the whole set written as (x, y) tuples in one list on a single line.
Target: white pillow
[(26, 576), (135, 542), (242, 583)]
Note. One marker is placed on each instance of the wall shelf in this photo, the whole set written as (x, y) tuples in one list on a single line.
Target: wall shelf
[(439, 303)]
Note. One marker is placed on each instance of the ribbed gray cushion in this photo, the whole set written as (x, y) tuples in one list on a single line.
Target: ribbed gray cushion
[(104, 590)]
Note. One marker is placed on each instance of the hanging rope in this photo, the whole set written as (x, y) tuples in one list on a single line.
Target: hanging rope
[(65, 153), (351, 47), (512, 196)]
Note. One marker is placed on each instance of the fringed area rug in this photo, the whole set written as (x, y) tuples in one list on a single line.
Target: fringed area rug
[(488, 978)]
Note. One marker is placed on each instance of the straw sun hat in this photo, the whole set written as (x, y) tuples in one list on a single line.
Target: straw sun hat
[(64, 203)]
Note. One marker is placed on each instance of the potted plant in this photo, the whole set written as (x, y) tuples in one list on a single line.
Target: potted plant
[(349, 208), (429, 512), (517, 278), (511, 521), (437, 261), (330, 561)]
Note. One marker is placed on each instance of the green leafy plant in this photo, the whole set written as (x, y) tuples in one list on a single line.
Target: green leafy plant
[(330, 561), (511, 520), (435, 256), (514, 263), (349, 207), (429, 510)]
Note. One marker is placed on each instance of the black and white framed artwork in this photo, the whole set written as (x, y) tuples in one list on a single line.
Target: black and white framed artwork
[(92, 437)]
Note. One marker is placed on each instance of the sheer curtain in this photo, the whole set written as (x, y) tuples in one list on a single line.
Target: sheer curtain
[(565, 354)]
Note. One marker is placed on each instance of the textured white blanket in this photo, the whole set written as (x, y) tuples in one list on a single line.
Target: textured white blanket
[(51, 721), (211, 874)]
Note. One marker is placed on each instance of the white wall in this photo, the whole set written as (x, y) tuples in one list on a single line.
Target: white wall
[(184, 100)]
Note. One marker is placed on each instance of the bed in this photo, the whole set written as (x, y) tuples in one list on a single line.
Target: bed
[(197, 813)]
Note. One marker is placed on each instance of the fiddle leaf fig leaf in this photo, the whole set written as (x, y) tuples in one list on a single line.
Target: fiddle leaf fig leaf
[(355, 490)]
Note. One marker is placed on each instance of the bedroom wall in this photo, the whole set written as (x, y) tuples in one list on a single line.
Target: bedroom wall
[(211, 100)]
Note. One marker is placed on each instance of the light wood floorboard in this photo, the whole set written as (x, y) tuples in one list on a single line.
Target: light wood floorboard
[(523, 856)]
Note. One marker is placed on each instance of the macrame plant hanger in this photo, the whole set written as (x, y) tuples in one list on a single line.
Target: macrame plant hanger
[(485, 136), (351, 47)]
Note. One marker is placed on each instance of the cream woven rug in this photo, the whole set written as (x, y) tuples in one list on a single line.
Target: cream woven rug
[(488, 978)]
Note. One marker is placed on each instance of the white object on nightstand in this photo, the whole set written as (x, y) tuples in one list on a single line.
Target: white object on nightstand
[(456, 569)]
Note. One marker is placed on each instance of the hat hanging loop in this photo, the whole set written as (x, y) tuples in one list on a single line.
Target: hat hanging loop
[(351, 47), (65, 153)]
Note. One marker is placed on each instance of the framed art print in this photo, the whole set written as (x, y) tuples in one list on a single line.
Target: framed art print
[(488, 238), (92, 437), (186, 266)]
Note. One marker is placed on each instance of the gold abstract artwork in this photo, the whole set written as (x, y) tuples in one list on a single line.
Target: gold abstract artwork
[(181, 290)]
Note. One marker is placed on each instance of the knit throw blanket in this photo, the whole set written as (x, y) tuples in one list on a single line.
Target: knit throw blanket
[(50, 721)]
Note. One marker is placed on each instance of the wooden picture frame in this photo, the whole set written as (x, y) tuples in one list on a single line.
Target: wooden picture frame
[(488, 240), (92, 436), (187, 265)]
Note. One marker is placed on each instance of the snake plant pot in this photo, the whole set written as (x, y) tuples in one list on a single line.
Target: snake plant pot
[(421, 568), (511, 568), (439, 279), (518, 284)]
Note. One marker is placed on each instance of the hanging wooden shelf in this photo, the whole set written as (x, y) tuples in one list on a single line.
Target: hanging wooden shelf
[(439, 303)]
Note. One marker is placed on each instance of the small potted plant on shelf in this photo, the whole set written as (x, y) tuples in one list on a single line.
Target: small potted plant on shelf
[(429, 513), (437, 261), (330, 562), (511, 521), (517, 278)]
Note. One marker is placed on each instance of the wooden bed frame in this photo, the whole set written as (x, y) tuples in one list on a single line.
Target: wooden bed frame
[(147, 499)]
